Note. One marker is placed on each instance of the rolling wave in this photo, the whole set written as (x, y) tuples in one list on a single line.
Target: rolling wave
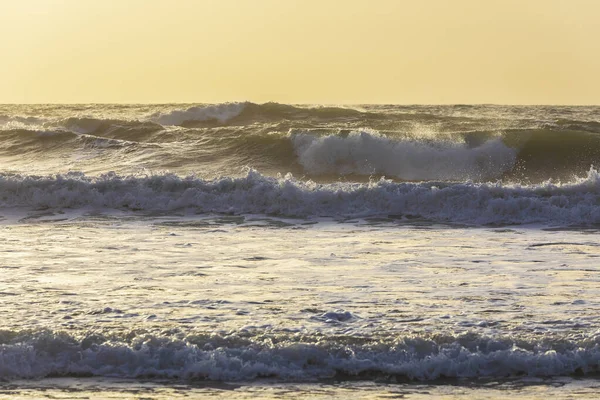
[(544, 154), (518, 155), (219, 112), (247, 112), (574, 203), (113, 128), (18, 141), (530, 155), (318, 142)]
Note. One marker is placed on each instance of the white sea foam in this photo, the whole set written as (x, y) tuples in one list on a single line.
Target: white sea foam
[(484, 203), (220, 112), (232, 357), (368, 152)]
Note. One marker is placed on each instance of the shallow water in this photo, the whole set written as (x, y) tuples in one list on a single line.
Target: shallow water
[(85, 388), (236, 298)]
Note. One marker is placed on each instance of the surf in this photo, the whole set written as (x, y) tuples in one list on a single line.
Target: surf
[(250, 355), (322, 143), (573, 203)]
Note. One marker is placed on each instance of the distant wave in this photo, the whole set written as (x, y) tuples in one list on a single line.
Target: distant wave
[(278, 111), (222, 113), (43, 142), (235, 356), (114, 128), (574, 203), (218, 112), (247, 112), (19, 122)]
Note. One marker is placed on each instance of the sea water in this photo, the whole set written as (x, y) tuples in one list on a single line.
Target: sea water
[(241, 250)]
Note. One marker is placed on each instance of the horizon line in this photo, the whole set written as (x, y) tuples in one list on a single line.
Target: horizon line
[(304, 104)]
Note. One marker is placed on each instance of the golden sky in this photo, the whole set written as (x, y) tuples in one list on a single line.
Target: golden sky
[(300, 51)]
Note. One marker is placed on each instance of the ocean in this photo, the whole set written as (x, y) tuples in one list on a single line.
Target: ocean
[(245, 250)]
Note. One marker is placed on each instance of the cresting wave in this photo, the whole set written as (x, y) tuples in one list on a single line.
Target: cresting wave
[(530, 155), (575, 203), (517, 154), (370, 153), (246, 355)]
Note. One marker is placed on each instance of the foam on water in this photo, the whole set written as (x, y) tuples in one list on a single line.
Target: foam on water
[(20, 122), (473, 203), (246, 355)]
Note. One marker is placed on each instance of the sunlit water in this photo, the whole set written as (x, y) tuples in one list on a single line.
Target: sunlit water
[(162, 286)]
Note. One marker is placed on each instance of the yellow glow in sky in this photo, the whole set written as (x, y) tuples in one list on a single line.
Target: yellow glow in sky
[(300, 51)]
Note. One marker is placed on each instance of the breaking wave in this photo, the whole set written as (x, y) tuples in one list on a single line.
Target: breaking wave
[(370, 153), (514, 155), (247, 355), (575, 203), (322, 143)]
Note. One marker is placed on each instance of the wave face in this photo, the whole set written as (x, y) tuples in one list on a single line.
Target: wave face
[(574, 203), (246, 356)]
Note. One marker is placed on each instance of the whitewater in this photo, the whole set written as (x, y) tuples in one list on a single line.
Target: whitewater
[(243, 250)]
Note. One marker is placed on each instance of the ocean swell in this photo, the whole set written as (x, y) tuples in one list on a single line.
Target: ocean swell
[(247, 112), (217, 112)]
